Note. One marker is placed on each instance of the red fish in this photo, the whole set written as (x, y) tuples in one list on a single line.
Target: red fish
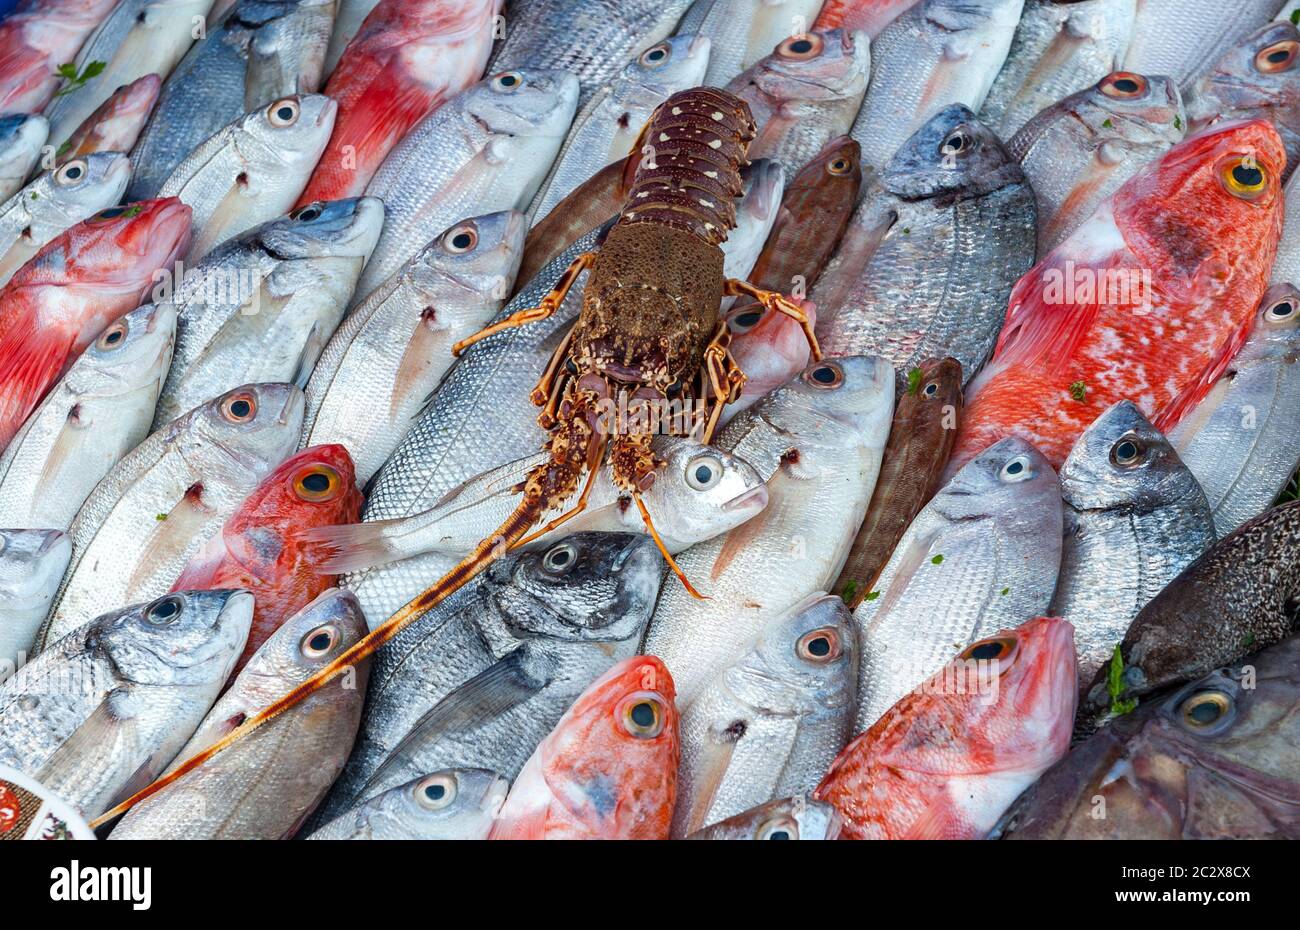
[(260, 547), (409, 58), (35, 40), (75, 286), (116, 125), (948, 759), (1147, 301), (608, 771), (870, 16)]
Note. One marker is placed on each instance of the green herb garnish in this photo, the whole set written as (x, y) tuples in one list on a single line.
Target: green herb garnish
[(1178, 121), (160, 517), (850, 589), (914, 381), (1079, 390), (1115, 686), (1107, 124), (1005, 591), (937, 560), (871, 595), (77, 81)]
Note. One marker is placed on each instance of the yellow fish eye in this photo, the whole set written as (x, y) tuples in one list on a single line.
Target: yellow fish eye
[(1243, 177)]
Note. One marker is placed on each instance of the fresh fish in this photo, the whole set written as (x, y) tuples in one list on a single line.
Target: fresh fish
[(480, 680), (979, 557), (763, 185), (453, 804), (772, 722), (1183, 38), (261, 306), (1081, 150), (139, 37), (32, 563), (161, 504), (22, 139), (869, 16), (818, 442), (742, 31), (933, 251), (347, 23), (261, 547), (1260, 78), (410, 57), (1242, 442), (376, 374), (1238, 597), (920, 441), (487, 149), (55, 201), (590, 39), (804, 94), (1060, 47), (146, 675), (116, 124), (1185, 244), (934, 55), (610, 124), (265, 786), (80, 282), (262, 51), (35, 40), (252, 170), (1286, 268), (94, 416), (797, 818), (591, 204), (770, 348), (609, 768), (1215, 760), (948, 759), (1134, 519)]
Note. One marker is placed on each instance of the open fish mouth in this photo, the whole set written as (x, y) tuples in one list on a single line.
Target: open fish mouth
[(747, 498)]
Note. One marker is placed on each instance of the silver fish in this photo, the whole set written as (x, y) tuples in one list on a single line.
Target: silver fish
[(763, 186), (260, 307), (142, 679), (1182, 38), (937, 53), (56, 200), (453, 804), (22, 137), (930, 256), (1060, 47), (97, 413), (376, 374), (481, 679), (32, 563), (173, 492), (1286, 267), (486, 149), (980, 557), (347, 23), (1242, 441), (139, 37), (252, 170), (805, 93), (771, 723), (1082, 149), (262, 51), (263, 787), (610, 124), (796, 818), (818, 442), (1134, 519), (743, 31)]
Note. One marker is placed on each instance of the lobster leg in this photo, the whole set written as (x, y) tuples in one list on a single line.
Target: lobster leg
[(774, 301), (544, 310), (547, 393), (663, 550), (725, 379), (577, 508)]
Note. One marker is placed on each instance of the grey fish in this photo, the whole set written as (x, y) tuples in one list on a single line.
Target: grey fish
[(743, 31), (1135, 517), (97, 413), (481, 679), (261, 307), (929, 259), (1242, 441), (56, 200), (347, 23), (1182, 38), (796, 818), (1082, 149), (263, 787), (1060, 47), (101, 712), (1286, 267), (261, 51), (771, 723), (979, 558), (935, 54), (22, 137), (169, 496), (32, 563), (453, 804)]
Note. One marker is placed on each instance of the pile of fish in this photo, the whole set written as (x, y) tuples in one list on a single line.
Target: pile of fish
[(992, 530)]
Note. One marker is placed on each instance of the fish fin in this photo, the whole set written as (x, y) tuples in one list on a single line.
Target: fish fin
[(310, 351), (1186, 400), (420, 350), (932, 824), (217, 229), (30, 361), (141, 778), (61, 452), (172, 536), (96, 737), (710, 768), (353, 547)]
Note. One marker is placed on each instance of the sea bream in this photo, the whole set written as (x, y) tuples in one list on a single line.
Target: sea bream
[(1183, 38), (32, 563), (796, 818), (22, 140), (451, 804), (742, 31)]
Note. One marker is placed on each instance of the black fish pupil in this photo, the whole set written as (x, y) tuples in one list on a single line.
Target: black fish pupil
[(931, 389), (560, 558), (1247, 177), (316, 482), (1279, 56), (165, 611), (1285, 308), (1015, 468), (986, 651), (749, 319), (320, 642), (311, 213), (704, 474), (462, 241), (1126, 451), (114, 338), (435, 792), (657, 54), (1126, 85), (800, 47), (1206, 712), (824, 375), (509, 81), (820, 646), (241, 408), (285, 113), (779, 835), (643, 715)]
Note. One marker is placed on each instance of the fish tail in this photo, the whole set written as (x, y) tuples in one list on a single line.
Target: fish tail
[(352, 547)]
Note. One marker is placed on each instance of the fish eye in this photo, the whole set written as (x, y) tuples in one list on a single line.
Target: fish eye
[(283, 112), (703, 472), (744, 322), (1280, 56), (995, 649), (1127, 452), (111, 213), (1123, 85), (436, 792), (839, 166), (164, 611), (320, 641), (819, 646), (1243, 177), (239, 408), (460, 240), (317, 484), (657, 54), (113, 337), (824, 375), (1204, 709), (1018, 469), (778, 828), (1284, 309), (642, 715), (559, 559), (72, 172), (801, 48), (955, 143), (932, 389), (308, 213), (507, 82)]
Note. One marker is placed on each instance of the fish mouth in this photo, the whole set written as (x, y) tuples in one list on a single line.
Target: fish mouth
[(747, 499)]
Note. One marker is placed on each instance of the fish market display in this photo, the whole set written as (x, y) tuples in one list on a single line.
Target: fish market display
[(797, 818), (453, 804), (1182, 38), (1135, 517), (38, 39), (1242, 442), (116, 124), (32, 563), (22, 139), (742, 32)]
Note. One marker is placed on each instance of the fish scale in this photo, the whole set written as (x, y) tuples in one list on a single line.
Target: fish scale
[(1181, 38)]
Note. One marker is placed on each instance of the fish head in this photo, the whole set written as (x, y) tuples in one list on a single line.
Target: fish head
[(312, 488), (324, 229), (763, 182), (137, 98), (676, 63), (21, 138), (599, 587), (131, 352), (304, 644), (771, 348), (1261, 73), (813, 66), (837, 166), (292, 130), (32, 563), (478, 257), (1127, 109), (1276, 332), (702, 492), (1010, 479), (182, 638), (952, 156), (528, 102), (87, 184), (796, 818), (933, 393), (855, 391), (250, 429), (447, 804)]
